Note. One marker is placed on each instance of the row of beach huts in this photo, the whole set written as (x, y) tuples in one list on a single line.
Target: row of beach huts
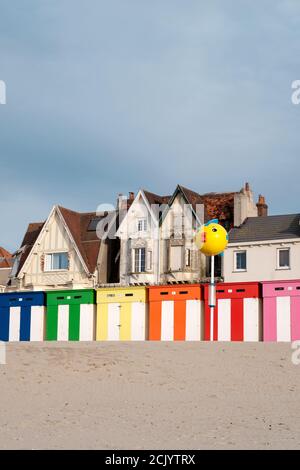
[(246, 311), (135, 273)]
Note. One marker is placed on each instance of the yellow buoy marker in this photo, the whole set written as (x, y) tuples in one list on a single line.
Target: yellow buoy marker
[(212, 239)]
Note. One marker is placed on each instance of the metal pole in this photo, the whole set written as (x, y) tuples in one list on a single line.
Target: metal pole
[(212, 307)]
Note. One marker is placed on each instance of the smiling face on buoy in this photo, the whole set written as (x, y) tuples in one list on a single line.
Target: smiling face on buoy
[(211, 239)]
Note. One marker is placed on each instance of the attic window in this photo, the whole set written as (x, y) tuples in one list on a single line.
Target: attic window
[(56, 261), (142, 225)]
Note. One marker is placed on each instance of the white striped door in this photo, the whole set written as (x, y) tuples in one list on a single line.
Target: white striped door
[(224, 319), (167, 320), (251, 319), (87, 322), (37, 323), (283, 318), (63, 323), (138, 321), (113, 333), (14, 323), (193, 320)]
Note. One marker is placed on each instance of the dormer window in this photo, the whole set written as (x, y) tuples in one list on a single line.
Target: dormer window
[(142, 225)]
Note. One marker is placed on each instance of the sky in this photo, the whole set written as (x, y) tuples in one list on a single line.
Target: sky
[(106, 97)]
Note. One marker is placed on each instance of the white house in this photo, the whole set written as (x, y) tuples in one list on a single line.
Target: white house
[(139, 239), (64, 252), (180, 259), (264, 249), (157, 233)]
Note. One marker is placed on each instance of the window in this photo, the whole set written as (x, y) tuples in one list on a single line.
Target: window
[(139, 260), (188, 257), (56, 261), (283, 258), (175, 258), (142, 225), (240, 261)]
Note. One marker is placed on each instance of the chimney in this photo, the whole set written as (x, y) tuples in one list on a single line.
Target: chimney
[(244, 205), (122, 202), (131, 196), (262, 207)]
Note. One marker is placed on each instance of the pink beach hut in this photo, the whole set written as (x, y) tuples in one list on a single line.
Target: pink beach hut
[(281, 310)]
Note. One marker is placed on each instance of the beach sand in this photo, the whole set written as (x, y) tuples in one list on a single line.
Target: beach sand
[(149, 395)]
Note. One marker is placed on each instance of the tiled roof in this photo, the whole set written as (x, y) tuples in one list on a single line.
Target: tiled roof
[(216, 205), (87, 243), (29, 239), (271, 227), (155, 198), (86, 240)]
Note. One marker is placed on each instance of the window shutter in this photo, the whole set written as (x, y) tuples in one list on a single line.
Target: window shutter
[(175, 258), (132, 260), (149, 260), (188, 257), (47, 265)]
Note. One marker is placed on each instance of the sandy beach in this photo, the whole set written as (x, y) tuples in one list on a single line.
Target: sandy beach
[(149, 396)]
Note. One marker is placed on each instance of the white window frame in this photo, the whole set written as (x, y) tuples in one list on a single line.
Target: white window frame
[(188, 257), (287, 248), (139, 269), (235, 268), (48, 267), (149, 260), (142, 224)]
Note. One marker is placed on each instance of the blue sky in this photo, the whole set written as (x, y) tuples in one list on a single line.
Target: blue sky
[(105, 97)]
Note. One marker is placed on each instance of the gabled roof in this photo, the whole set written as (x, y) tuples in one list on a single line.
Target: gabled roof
[(271, 227), (83, 233), (216, 205), (153, 203), (87, 241), (155, 198), (33, 231), (5, 258)]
